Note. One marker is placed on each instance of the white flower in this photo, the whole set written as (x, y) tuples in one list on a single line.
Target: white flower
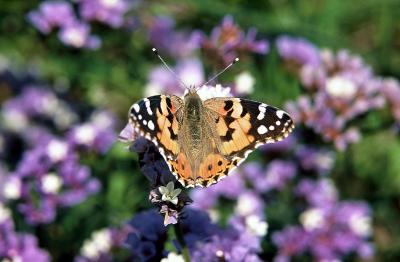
[(100, 242), (101, 119), (360, 224), (74, 36), (173, 257), (245, 205), (14, 120), (51, 183), (169, 193), (57, 150), (244, 83), (110, 3), (13, 258), (152, 89), (214, 215), (340, 87), (256, 226), (85, 134), (49, 104), (12, 188), (329, 189), (5, 213), (312, 218), (206, 92), (325, 160)]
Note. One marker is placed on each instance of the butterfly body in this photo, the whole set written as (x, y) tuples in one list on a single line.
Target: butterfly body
[(202, 141)]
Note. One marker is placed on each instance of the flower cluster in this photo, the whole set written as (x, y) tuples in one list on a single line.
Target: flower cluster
[(206, 241), (49, 173), (227, 42), (74, 31), (99, 246), (340, 88), (329, 230), (177, 44), (16, 246)]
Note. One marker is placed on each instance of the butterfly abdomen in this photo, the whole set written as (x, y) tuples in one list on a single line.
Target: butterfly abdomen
[(193, 112)]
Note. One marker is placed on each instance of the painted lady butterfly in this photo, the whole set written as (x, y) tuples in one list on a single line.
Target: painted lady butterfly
[(203, 141)]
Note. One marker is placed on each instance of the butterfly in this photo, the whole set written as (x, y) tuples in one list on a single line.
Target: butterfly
[(202, 141)]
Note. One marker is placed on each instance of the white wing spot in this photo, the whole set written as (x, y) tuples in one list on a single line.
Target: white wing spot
[(262, 108), (151, 125), (260, 116), (147, 103), (271, 128), (140, 117), (279, 114), (262, 130), (145, 122), (278, 123), (136, 107)]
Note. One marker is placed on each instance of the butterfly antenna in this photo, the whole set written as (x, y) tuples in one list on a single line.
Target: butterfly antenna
[(155, 51), (222, 71)]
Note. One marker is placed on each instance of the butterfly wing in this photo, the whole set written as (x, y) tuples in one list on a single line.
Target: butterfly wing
[(155, 118), (242, 125)]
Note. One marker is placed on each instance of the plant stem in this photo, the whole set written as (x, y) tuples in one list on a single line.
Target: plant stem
[(182, 243)]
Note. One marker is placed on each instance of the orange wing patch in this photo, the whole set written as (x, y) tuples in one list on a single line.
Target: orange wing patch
[(182, 169), (212, 169), (234, 135), (167, 126)]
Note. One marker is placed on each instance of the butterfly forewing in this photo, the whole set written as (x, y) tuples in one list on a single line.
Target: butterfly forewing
[(242, 124), (155, 119)]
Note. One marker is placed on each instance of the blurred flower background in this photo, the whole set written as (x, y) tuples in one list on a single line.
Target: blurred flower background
[(70, 70)]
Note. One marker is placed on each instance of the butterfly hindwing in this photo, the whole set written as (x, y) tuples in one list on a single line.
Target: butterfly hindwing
[(155, 119)]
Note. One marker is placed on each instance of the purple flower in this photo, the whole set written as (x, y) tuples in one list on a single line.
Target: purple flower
[(196, 227), (148, 236), (176, 44), (231, 187), (50, 170), (16, 246), (162, 81), (52, 14), (276, 176), (290, 241), (78, 35), (313, 159), (228, 245), (298, 50), (329, 229), (77, 182), (227, 42), (36, 102), (97, 134), (110, 12), (340, 88), (205, 240), (321, 193)]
